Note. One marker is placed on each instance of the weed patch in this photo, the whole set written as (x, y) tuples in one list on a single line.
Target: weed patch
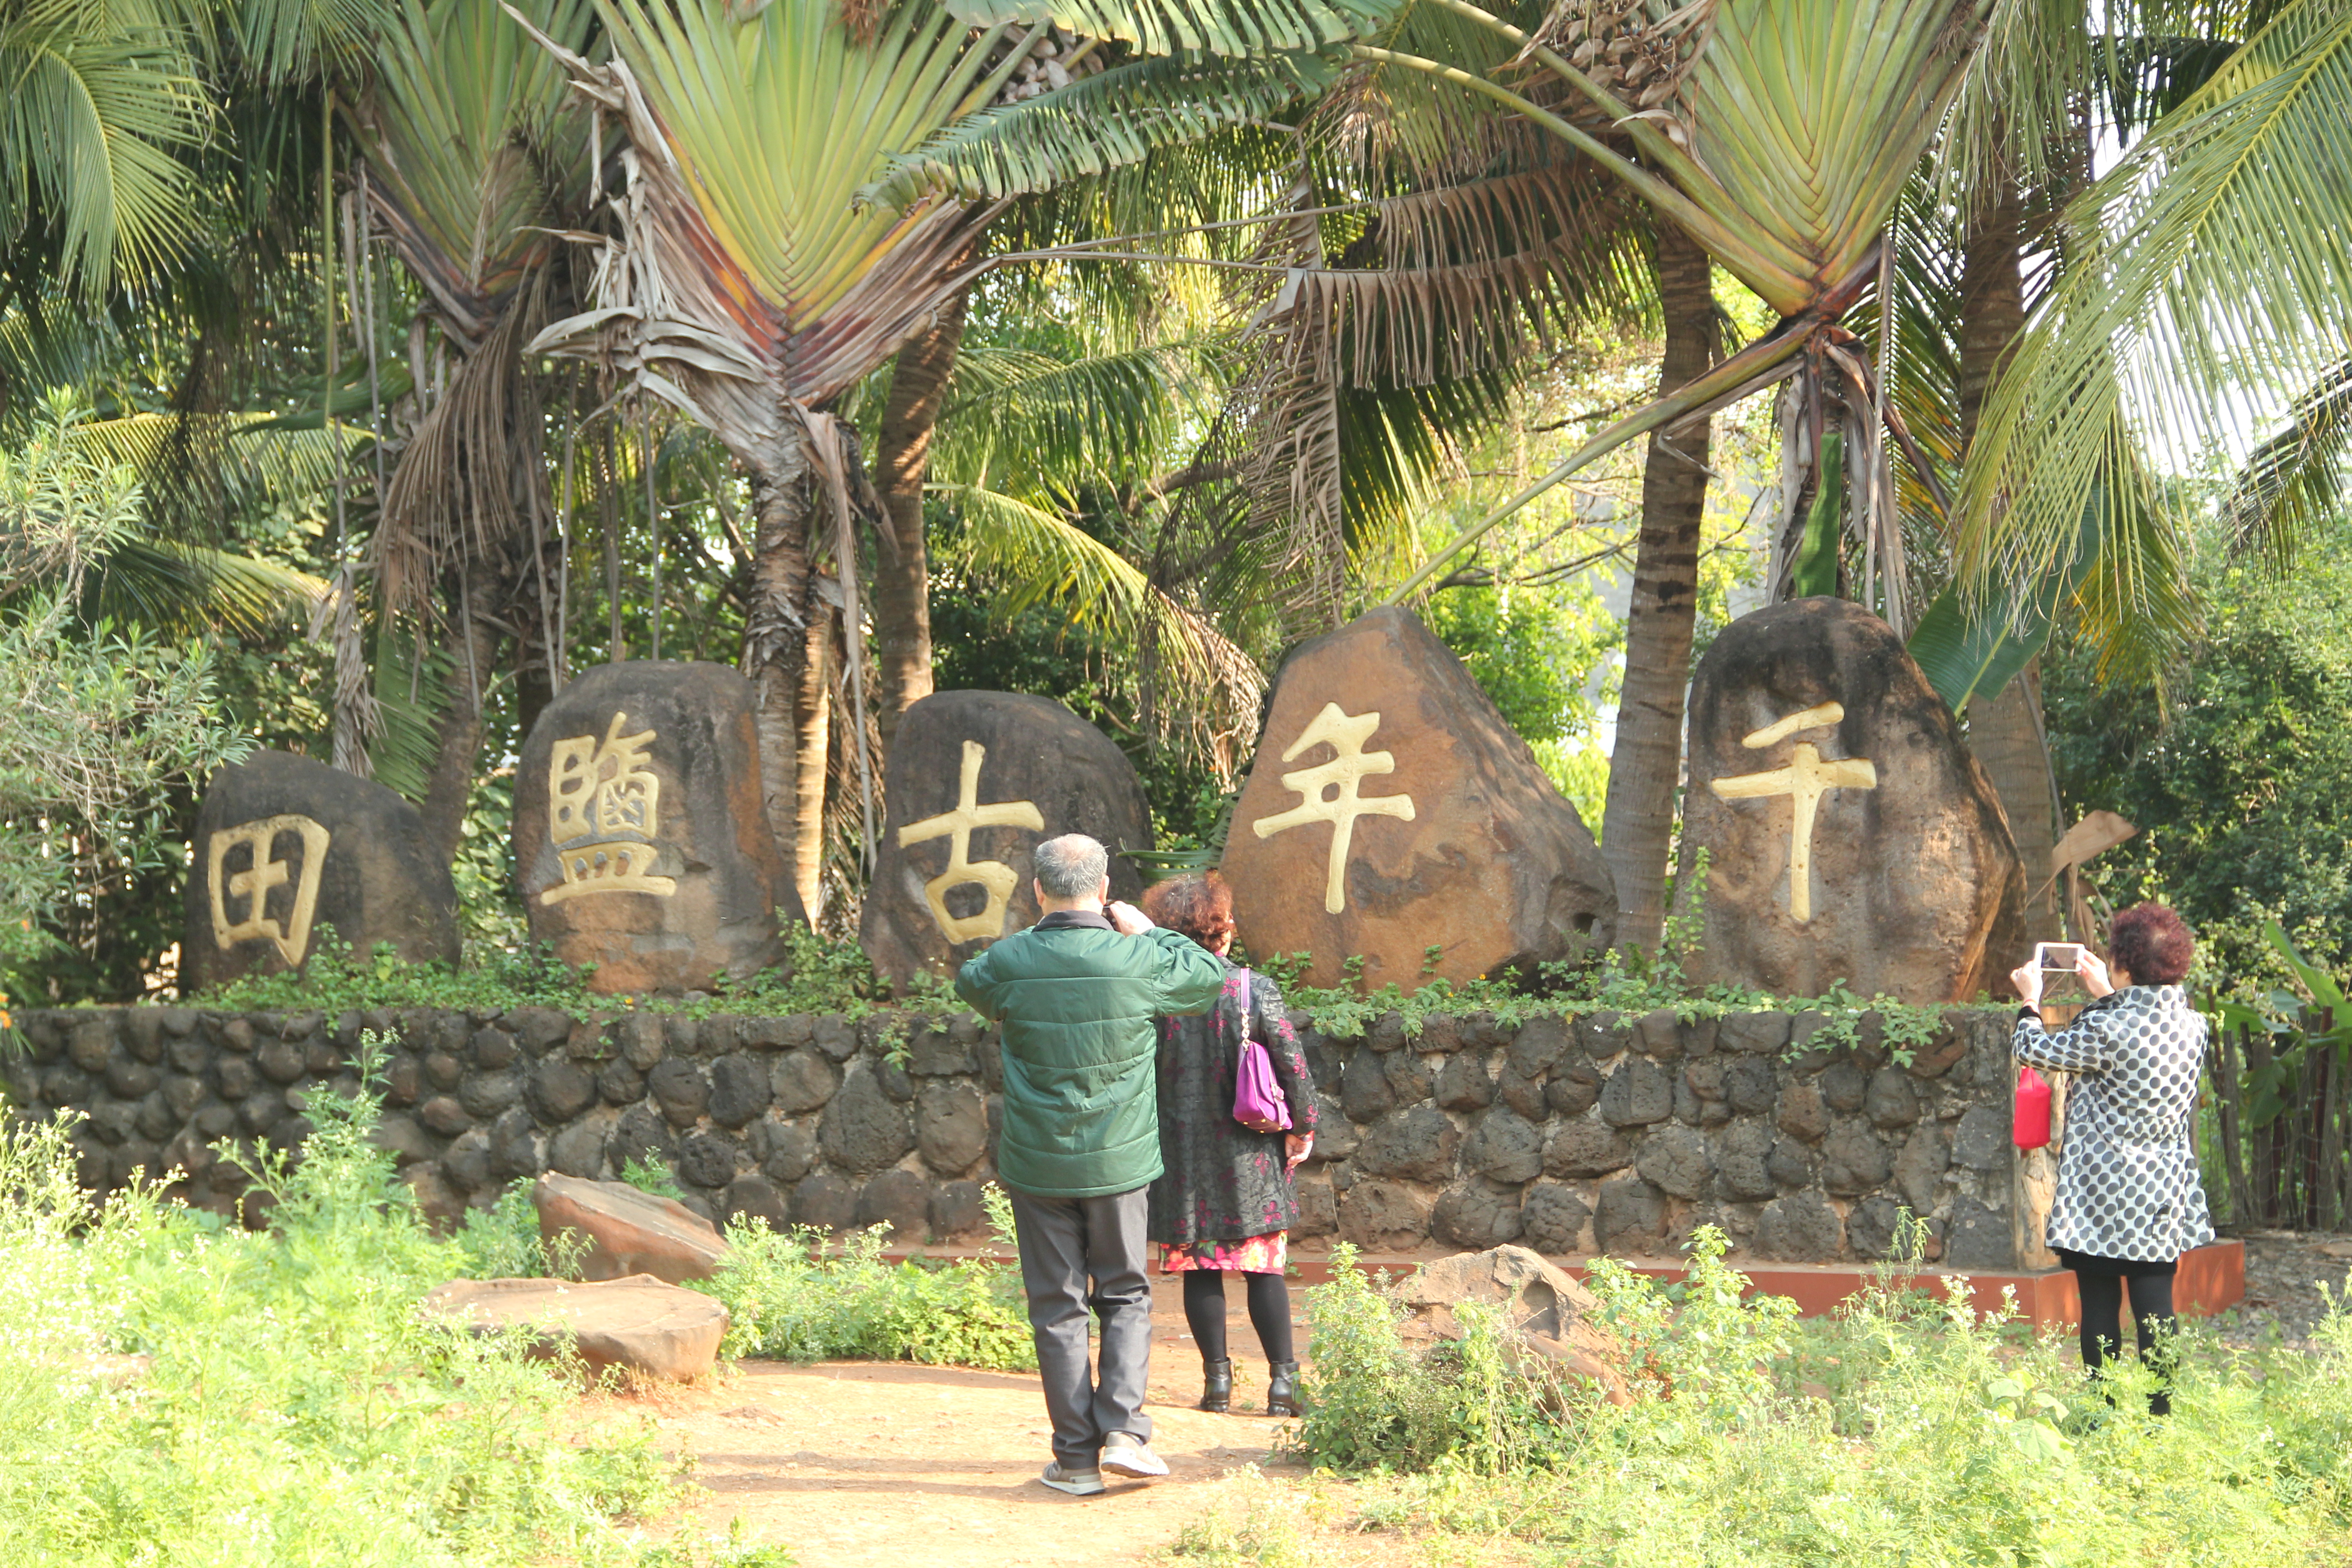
[(292, 1406), (798, 1295), (1911, 1428)]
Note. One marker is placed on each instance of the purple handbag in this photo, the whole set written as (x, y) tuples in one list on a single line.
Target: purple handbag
[(1258, 1102)]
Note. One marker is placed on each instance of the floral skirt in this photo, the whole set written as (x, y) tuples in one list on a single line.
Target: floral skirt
[(1265, 1254)]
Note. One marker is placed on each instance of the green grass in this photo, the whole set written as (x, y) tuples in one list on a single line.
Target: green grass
[(1910, 1430), (819, 977), (295, 1408), (799, 1296)]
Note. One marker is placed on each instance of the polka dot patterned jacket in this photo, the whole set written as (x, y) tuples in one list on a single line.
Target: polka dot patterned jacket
[(2127, 1185)]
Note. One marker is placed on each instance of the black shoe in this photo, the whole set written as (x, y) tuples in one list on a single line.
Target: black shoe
[(1282, 1388), (1216, 1386)]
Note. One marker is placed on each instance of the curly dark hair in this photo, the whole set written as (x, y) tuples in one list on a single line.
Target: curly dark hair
[(2152, 941), (1200, 905)]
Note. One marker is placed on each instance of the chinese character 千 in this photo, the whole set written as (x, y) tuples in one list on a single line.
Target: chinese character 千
[(1803, 781)]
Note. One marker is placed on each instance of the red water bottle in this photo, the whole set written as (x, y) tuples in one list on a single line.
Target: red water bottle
[(2032, 1126)]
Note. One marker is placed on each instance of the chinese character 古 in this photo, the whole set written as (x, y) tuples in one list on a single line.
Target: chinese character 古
[(994, 875)]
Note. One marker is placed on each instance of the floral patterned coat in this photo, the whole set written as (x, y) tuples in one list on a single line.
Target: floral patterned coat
[(1222, 1182)]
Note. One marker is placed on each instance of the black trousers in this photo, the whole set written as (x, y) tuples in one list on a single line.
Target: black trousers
[(2103, 1283)]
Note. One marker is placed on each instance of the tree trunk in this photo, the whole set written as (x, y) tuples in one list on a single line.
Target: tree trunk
[(2005, 731), (902, 605), (813, 769), (775, 639), (1645, 767), (473, 651)]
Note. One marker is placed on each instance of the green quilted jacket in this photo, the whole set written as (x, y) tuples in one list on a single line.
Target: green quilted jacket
[(1078, 1002)]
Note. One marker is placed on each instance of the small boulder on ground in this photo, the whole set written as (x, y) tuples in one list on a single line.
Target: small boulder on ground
[(1546, 1309), (630, 1231), (640, 1322)]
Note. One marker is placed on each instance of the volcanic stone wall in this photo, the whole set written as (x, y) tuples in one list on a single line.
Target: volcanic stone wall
[(1598, 1133)]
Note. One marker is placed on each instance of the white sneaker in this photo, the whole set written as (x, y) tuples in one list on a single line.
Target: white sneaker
[(1077, 1483), (1125, 1454)]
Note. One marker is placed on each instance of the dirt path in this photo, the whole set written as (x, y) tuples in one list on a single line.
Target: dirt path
[(869, 1465)]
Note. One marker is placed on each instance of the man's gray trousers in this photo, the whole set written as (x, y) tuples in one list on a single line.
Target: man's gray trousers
[(1065, 1243)]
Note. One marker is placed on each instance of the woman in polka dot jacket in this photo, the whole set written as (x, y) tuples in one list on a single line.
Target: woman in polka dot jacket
[(2129, 1202)]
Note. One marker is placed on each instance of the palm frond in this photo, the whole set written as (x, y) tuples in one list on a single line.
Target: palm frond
[(477, 147), (278, 41), (412, 688), (245, 458), (95, 105), (2293, 483), (2155, 336), (1112, 119), (1041, 558), (1204, 26), (1032, 422), (185, 590)]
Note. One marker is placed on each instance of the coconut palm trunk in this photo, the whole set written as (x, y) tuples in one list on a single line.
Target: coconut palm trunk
[(2005, 729), (902, 607), (776, 643), (473, 649), (1645, 765)]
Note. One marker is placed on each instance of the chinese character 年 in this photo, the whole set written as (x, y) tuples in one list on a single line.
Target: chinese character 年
[(1327, 790)]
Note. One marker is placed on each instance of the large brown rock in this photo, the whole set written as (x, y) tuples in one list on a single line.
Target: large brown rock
[(1891, 861), (1391, 810), (640, 1323), (976, 780), (628, 1230), (286, 849), (640, 843), (1543, 1307)]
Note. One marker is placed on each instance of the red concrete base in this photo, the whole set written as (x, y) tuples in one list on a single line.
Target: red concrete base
[(2210, 1279)]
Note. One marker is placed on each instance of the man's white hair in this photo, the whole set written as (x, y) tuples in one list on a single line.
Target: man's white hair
[(1070, 866)]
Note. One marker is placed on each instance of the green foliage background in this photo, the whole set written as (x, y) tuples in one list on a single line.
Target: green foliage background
[(2240, 773)]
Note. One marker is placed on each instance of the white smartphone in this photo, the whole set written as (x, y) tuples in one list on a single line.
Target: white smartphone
[(2057, 957)]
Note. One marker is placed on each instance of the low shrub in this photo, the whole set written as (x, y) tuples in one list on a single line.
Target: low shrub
[(1910, 1428), (292, 1406), (798, 1295)]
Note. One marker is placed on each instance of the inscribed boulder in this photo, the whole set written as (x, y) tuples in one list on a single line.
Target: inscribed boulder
[(286, 849), (976, 780), (643, 851), (1392, 814), (1850, 836)]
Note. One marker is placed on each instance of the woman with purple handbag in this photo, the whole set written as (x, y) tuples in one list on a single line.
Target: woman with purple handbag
[(1237, 1116)]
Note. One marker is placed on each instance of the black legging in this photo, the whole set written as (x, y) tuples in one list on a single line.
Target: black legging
[(2151, 1304), (1269, 1310)]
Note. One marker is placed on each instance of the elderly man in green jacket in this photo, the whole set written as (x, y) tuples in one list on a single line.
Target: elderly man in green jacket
[(1079, 994)]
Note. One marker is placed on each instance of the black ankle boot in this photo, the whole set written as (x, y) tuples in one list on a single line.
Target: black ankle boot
[(1282, 1388), (1216, 1385)]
